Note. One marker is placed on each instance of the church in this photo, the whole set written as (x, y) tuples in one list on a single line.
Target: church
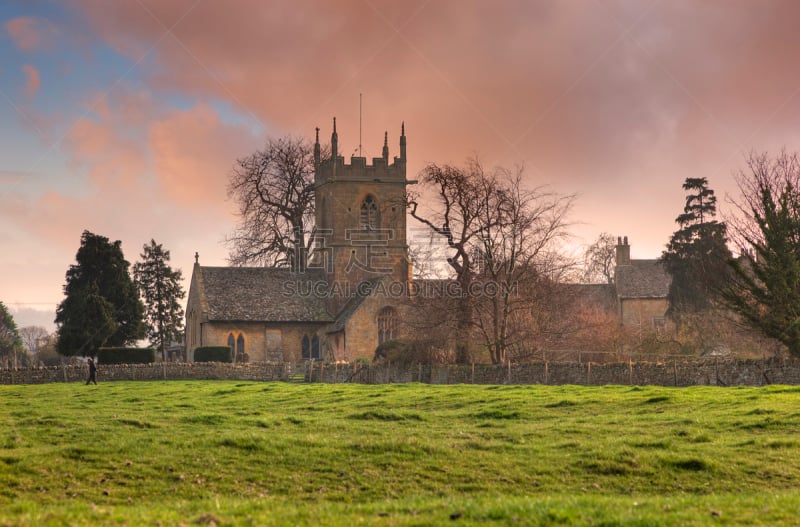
[(349, 298), (353, 294)]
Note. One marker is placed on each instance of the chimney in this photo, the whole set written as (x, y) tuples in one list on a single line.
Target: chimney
[(623, 251)]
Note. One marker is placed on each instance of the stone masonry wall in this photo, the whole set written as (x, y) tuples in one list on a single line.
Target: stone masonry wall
[(704, 372), (151, 372)]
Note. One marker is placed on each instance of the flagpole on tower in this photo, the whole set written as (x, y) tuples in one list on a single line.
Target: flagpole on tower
[(359, 125)]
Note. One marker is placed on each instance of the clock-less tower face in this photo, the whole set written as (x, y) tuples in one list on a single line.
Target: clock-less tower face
[(361, 218)]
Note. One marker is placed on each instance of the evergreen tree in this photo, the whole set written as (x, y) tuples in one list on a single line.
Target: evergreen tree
[(160, 286), (765, 289), (697, 254), (10, 341), (88, 322), (101, 305)]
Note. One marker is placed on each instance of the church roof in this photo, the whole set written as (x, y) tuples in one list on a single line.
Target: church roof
[(260, 294), (642, 279), (350, 307)]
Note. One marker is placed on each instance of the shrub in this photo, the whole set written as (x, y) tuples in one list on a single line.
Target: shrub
[(213, 354), (391, 351), (126, 355), (413, 352)]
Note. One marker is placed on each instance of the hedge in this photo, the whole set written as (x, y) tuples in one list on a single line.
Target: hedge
[(213, 354), (126, 355)]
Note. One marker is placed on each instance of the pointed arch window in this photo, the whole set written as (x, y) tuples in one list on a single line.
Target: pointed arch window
[(387, 324), (240, 346), (232, 342), (368, 217), (306, 348), (315, 347)]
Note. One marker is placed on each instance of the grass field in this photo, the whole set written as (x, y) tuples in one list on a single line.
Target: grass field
[(242, 453)]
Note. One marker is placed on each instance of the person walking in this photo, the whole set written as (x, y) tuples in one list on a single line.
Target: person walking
[(92, 372)]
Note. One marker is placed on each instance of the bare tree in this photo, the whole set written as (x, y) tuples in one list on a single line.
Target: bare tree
[(599, 260), (461, 195), (274, 191), (519, 246), (33, 337), (498, 234), (427, 252)]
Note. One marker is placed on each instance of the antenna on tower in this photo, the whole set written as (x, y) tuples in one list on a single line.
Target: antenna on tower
[(359, 125)]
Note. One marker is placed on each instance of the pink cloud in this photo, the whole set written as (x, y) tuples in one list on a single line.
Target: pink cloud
[(33, 81), (31, 33), (139, 172), (109, 158), (193, 153)]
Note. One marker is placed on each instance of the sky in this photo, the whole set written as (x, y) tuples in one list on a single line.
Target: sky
[(125, 118)]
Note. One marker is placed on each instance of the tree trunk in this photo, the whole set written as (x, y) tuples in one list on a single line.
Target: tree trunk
[(464, 323)]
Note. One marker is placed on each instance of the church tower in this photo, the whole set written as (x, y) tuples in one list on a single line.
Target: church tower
[(360, 218)]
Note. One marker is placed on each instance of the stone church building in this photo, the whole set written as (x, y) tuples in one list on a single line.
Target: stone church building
[(348, 299), (354, 291)]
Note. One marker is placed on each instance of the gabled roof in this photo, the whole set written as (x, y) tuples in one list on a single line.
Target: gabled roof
[(597, 295), (351, 306), (642, 279), (260, 294)]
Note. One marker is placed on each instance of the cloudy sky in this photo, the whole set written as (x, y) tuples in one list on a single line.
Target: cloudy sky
[(125, 117)]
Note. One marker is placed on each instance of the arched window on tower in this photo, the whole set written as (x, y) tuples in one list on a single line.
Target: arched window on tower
[(306, 348), (387, 324), (368, 218)]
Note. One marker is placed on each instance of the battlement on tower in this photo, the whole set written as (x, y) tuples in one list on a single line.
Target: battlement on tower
[(359, 170)]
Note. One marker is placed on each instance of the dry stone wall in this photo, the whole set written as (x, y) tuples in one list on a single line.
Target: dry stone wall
[(677, 373), (152, 372)]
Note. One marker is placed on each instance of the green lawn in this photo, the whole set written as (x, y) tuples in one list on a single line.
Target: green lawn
[(246, 453)]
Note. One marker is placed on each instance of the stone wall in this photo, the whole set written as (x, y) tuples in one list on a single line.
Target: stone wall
[(264, 371), (676, 373)]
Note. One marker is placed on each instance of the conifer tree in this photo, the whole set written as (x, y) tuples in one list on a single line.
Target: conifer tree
[(697, 254), (160, 287), (101, 305), (765, 289)]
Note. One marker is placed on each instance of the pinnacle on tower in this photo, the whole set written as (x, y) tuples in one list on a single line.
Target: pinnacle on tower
[(386, 147), (316, 149), (403, 141), (334, 142)]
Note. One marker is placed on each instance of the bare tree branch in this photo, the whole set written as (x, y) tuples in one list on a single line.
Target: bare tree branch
[(274, 191)]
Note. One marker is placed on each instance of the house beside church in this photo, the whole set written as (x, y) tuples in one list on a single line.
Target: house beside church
[(348, 299), (641, 288)]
